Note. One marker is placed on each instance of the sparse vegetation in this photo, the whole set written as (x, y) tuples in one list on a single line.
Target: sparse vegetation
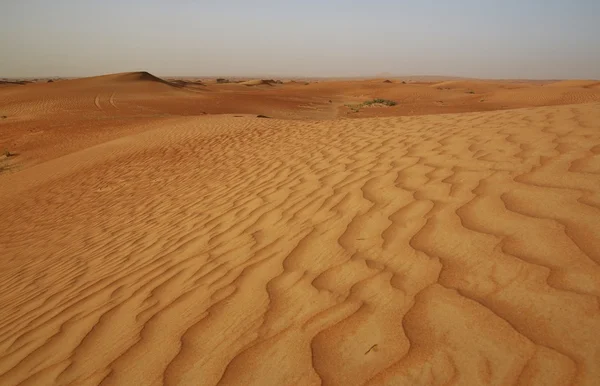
[(470, 92), (3, 116), (354, 108), (262, 116), (4, 163), (222, 80), (379, 101)]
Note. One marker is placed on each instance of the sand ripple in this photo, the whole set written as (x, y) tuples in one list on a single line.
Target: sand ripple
[(447, 249)]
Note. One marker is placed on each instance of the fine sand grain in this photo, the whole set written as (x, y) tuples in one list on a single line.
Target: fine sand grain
[(145, 243)]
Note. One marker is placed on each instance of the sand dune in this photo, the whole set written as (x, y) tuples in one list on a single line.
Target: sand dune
[(179, 248), (48, 120), (575, 83), (261, 82)]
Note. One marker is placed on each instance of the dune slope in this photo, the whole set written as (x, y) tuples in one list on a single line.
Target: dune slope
[(448, 249)]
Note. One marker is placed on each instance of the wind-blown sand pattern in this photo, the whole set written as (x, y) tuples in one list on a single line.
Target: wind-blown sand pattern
[(424, 250)]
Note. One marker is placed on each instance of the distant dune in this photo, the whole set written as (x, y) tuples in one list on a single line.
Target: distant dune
[(157, 232), (575, 84), (260, 82), (128, 79)]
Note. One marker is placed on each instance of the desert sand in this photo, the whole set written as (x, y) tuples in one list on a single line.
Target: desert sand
[(157, 232)]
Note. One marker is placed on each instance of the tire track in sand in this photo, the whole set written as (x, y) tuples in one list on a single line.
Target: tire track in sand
[(111, 100), (97, 102)]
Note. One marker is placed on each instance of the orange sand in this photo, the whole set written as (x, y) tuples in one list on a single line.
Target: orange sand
[(144, 242)]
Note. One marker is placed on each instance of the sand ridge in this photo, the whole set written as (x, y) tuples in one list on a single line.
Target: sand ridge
[(408, 250)]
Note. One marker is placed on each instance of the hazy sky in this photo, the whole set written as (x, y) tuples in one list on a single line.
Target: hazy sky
[(479, 38)]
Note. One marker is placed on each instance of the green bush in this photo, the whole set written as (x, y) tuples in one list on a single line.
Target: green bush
[(379, 101)]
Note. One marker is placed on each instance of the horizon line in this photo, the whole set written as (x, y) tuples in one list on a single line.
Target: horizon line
[(305, 77)]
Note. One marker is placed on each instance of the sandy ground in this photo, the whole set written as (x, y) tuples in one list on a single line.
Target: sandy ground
[(144, 242)]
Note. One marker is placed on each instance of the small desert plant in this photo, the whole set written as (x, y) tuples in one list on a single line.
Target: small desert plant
[(3, 116), (379, 101), (470, 92), (7, 153), (354, 108)]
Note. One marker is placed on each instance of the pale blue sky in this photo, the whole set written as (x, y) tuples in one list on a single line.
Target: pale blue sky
[(479, 38)]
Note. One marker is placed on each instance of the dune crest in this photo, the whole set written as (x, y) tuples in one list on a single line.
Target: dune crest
[(141, 76)]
